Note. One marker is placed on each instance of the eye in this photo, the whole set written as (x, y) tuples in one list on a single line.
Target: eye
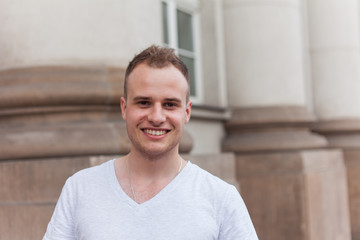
[(143, 103), (170, 105)]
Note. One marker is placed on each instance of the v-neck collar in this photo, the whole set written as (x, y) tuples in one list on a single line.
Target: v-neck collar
[(128, 200)]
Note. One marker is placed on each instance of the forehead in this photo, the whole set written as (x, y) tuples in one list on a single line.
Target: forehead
[(148, 80)]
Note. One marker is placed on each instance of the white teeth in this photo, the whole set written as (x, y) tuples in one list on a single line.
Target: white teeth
[(155, 132)]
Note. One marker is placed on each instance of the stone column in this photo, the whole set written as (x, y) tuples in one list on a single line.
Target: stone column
[(335, 64), (264, 55), (61, 76), (280, 166)]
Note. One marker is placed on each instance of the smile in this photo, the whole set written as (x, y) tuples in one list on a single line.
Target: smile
[(155, 132)]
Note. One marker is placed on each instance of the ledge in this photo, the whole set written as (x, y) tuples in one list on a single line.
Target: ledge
[(337, 126), (276, 128), (342, 133), (210, 113), (270, 116), (60, 86), (65, 140)]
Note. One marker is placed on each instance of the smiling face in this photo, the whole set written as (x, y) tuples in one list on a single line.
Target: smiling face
[(156, 109)]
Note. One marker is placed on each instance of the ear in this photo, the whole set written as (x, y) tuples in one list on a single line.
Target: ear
[(123, 107), (188, 111)]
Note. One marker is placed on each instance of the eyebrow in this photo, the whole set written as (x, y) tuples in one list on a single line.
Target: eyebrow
[(140, 98), (173, 100)]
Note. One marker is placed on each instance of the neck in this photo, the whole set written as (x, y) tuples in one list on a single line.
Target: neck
[(143, 177), (160, 166)]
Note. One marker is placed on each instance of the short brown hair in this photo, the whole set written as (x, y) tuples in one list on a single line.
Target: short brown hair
[(157, 57)]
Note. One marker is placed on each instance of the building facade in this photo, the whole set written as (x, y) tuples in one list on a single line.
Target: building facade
[(275, 86)]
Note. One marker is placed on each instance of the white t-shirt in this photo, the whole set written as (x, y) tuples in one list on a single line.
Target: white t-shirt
[(194, 205)]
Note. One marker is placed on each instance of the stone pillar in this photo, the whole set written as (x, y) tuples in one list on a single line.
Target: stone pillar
[(296, 194), (281, 165), (335, 64), (61, 78), (63, 111), (54, 121), (264, 55)]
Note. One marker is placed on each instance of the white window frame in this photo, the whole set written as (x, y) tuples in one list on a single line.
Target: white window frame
[(192, 9)]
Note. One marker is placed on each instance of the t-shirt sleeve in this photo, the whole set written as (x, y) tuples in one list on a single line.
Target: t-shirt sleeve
[(61, 225), (235, 219)]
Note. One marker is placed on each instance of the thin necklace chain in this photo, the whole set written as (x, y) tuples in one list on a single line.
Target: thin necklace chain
[(131, 186)]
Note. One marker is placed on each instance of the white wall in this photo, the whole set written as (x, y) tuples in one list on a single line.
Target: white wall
[(335, 58), (264, 53), (207, 136), (43, 32)]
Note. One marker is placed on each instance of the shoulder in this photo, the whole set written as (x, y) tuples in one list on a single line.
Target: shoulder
[(86, 183), (207, 179), (231, 212), (90, 176), (209, 188)]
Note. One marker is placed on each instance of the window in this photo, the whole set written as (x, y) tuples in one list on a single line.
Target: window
[(179, 28)]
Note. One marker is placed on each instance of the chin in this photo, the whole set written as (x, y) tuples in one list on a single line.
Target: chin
[(157, 151), (154, 153)]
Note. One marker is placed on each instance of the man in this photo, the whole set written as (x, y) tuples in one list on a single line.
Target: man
[(151, 193)]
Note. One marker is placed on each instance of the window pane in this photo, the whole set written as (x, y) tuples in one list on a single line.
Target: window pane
[(191, 66), (185, 31), (165, 22)]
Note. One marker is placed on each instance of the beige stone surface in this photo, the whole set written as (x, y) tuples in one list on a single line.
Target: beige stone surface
[(270, 116), (334, 43), (26, 117), (296, 195), (36, 181), (345, 134), (271, 129), (328, 209), (59, 140), (341, 133), (24, 221), (207, 135), (273, 140), (337, 126), (264, 52), (60, 85), (82, 32), (352, 160)]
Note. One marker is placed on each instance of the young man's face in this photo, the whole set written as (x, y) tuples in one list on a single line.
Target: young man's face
[(155, 110)]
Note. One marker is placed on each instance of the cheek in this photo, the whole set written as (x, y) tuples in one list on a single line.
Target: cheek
[(136, 115), (178, 118)]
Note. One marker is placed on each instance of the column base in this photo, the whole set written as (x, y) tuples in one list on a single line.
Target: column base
[(294, 187), (296, 195), (271, 129), (29, 192), (345, 134)]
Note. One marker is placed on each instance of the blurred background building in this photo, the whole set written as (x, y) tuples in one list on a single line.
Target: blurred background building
[(275, 86)]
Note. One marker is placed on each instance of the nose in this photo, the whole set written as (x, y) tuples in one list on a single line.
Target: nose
[(156, 115)]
